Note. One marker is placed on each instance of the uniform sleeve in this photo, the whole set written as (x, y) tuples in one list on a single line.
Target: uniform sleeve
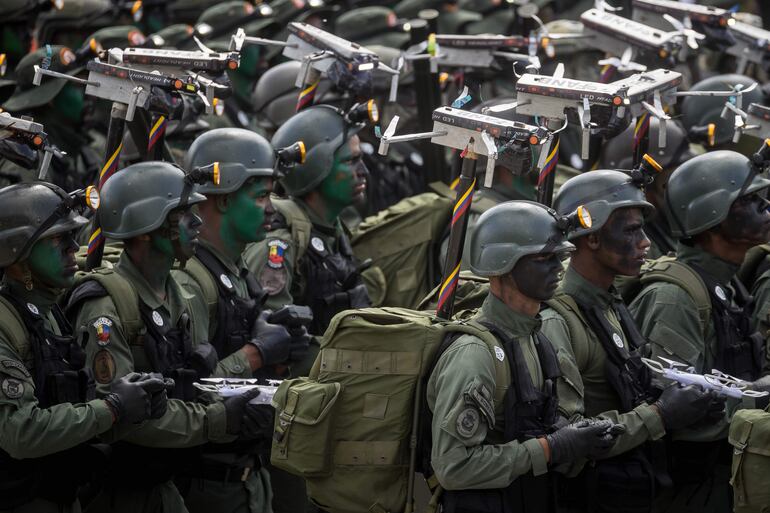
[(185, 424), (461, 392), (761, 294), (272, 261), (29, 431), (668, 317), (642, 423)]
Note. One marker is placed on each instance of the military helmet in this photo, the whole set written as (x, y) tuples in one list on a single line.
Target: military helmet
[(27, 95), (76, 19), (241, 154), (137, 199), (372, 25), (617, 154), (602, 192), (699, 111), (701, 191), (275, 96), (121, 36), (172, 36), (511, 230), (27, 208), (324, 130)]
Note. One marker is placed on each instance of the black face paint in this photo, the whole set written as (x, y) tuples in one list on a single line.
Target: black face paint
[(623, 244), (748, 219), (537, 276)]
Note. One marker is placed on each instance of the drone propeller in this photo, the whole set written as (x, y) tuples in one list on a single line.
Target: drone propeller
[(394, 79), (603, 6), (685, 30), (624, 63), (389, 132)]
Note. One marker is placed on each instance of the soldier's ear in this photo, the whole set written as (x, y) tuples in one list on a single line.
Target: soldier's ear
[(593, 241), (222, 202)]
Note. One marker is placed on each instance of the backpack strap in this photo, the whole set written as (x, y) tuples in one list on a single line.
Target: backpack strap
[(198, 272), (13, 328), (684, 276), (757, 261), (298, 222), (106, 282), (569, 310)]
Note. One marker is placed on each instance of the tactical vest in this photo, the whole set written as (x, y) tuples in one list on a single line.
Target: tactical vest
[(57, 370), (235, 315), (627, 482), (334, 283), (529, 413)]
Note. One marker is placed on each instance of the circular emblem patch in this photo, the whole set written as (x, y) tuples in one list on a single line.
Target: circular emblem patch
[(13, 388), (104, 367), (468, 422), (618, 340), (156, 318), (32, 308), (317, 244), (720, 293), (226, 281)]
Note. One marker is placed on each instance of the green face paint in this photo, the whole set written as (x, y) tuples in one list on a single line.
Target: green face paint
[(248, 211), (178, 237), (345, 184), (69, 102), (52, 261)]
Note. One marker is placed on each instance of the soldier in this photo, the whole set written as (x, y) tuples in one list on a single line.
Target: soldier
[(307, 258), (494, 442), (235, 213), (694, 312), (137, 317), (616, 155), (48, 411), (600, 348)]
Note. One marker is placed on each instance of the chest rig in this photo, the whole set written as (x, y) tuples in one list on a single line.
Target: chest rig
[(235, 315), (333, 280)]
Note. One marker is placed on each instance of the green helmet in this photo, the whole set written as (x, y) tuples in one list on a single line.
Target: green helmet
[(32, 211), (76, 19), (241, 154), (701, 191), (27, 95), (497, 243), (617, 154), (602, 192), (699, 111), (137, 199), (372, 25), (172, 35), (275, 96), (323, 129), (121, 36)]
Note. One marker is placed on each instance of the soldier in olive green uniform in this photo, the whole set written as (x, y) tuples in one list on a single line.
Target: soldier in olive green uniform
[(236, 212), (600, 348), (49, 414), (307, 258), (136, 317), (698, 316), (495, 430)]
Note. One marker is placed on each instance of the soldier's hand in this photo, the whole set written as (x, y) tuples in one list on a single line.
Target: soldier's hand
[(159, 397), (258, 422), (584, 439), (761, 385), (203, 360), (683, 406), (235, 408), (272, 340), (129, 400), (299, 344)]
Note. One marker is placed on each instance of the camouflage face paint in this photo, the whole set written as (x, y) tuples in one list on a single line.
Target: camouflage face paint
[(624, 244), (248, 214), (52, 260), (346, 183)]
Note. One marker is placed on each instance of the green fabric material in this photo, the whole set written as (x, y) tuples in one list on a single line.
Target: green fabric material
[(750, 438)]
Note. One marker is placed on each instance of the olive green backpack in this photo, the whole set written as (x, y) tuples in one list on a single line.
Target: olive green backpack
[(750, 438), (350, 427), (402, 242)]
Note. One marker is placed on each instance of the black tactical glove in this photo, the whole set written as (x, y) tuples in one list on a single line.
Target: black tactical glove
[(258, 422), (130, 397), (235, 407), (359, 297), (300, 343), (584, 439), (159, 400), (683, 406), (203, 360), (272, 340)]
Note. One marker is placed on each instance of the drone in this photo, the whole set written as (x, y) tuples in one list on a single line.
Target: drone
[(229, 387), (24, 130)]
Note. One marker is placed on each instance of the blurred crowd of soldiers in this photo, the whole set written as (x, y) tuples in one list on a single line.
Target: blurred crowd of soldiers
[(203, 201)]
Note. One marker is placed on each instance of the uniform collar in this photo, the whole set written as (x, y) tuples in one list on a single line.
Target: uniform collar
[(174, 294), (319, 223), (715, 267), (42, 299), (233, 267), (514, 324), (575, 285)]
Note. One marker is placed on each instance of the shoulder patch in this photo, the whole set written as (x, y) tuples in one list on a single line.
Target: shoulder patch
[(499, 353), (15, 365), (103, 328), (104, 367), (272, 280), (12, 388), (275, 254), (468, 422), (481, 397)]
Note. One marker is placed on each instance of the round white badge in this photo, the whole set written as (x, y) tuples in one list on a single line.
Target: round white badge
[(32, 308), (317, 244), (226, 281), (618, 341), (156, 318), (720, 293)]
